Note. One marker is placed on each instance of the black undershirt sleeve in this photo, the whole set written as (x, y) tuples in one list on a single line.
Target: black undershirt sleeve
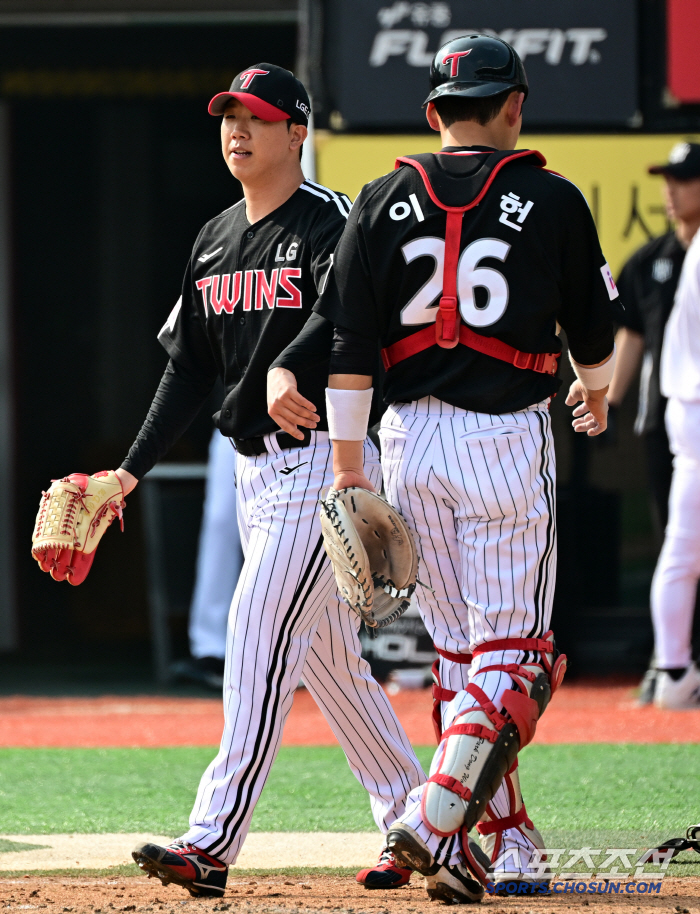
[(310, 349), (353, 353), (177, 401)]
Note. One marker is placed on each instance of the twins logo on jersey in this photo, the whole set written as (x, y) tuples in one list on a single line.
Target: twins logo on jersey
[(252, 289)]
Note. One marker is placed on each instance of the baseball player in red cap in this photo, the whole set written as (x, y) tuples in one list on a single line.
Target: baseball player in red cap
[(255, 272)]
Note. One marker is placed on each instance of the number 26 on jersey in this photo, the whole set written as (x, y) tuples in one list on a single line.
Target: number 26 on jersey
[(422, 308)]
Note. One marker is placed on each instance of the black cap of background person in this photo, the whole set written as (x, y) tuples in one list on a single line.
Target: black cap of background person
[(475, 66), (683, 162), (271, 93)]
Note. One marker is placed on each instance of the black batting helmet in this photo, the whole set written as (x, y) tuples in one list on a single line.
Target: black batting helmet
[(475, 66)]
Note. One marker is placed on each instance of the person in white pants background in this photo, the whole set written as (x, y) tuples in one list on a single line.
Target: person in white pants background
[(219, 563), (678, 569)]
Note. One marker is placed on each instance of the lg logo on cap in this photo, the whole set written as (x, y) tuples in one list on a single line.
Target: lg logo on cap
[(303, 108)]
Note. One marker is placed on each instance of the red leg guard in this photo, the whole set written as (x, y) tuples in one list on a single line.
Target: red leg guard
[(482, 743)]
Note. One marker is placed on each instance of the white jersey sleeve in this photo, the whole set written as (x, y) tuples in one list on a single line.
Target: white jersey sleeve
[(680, 356)]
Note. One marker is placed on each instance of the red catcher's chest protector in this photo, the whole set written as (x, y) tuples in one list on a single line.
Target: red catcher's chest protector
[(449, 331)]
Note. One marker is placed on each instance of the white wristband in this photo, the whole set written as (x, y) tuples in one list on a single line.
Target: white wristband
[(595, 378), (348, 413)]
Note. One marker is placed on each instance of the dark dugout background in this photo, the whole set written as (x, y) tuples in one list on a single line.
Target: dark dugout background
[(115, 166)]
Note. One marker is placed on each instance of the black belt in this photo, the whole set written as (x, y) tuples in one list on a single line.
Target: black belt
[(254, 447)]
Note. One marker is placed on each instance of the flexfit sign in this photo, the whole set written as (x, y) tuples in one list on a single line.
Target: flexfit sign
[(580, 57)]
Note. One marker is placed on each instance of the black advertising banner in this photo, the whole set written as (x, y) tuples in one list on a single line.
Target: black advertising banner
[(580, 57)]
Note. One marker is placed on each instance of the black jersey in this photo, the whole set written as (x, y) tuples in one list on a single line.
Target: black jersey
[(647, 286), (529, 259), (247, 292)]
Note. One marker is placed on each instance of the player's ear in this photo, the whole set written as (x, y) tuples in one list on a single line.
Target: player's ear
[(297, 134), (433, 117), (514, 107)]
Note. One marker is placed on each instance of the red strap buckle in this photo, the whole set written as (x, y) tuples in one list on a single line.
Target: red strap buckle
[(541, 362), (447, 323)]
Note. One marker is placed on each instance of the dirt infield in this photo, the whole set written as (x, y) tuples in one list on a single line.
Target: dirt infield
[(283, 895), (579, 713)]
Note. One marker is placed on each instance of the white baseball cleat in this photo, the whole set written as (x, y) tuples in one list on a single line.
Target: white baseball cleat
[(681, 695)]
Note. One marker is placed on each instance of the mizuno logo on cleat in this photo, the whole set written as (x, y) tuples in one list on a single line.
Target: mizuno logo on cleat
[(205, 868), (287, 470)]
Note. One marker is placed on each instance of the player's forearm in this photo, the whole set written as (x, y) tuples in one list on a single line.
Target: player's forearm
[(630, 347), (176, 403), (348, 457), (350, 381)]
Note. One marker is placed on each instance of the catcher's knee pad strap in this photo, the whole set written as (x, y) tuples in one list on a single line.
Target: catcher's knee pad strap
[(482, 744), (440, 694), (499, 825)]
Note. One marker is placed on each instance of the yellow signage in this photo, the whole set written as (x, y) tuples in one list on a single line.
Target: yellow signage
[(611, 171)]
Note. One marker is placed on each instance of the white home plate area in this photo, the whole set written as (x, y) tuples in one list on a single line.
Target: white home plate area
[(262, 850)]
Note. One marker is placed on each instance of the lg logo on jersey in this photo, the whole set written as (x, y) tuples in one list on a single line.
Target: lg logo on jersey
[(421, 308), (223, 292), (291, 252)]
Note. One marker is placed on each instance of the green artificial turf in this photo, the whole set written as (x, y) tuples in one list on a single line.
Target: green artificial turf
[(596, 795)]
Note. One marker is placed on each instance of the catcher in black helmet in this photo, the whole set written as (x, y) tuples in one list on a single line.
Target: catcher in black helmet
[(460, 266)]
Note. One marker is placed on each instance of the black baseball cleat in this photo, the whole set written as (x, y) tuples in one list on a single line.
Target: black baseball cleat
[(451, 884), (205, 671), (185, 865), (387, 874)]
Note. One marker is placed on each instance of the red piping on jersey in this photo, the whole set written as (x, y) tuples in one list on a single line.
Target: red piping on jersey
[(448, 333), (406, 160)]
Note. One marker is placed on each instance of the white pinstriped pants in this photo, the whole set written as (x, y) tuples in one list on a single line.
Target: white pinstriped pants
[(286, 620), (479, 492)]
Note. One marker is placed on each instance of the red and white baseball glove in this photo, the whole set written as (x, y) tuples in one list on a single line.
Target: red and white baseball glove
[(73, 517)]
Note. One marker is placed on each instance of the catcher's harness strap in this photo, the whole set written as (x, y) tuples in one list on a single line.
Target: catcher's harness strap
[(449, 331), (520, 709)]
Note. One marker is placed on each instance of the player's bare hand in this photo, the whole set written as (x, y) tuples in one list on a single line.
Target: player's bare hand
[(287, 406), (128, 481), (346, 478), (591, 416)]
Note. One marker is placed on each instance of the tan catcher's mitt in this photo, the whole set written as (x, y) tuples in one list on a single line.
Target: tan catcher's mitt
[(372, 552), (73, 517)]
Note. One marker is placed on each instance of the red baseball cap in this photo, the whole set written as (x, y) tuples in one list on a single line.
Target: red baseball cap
[(271, 93)]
